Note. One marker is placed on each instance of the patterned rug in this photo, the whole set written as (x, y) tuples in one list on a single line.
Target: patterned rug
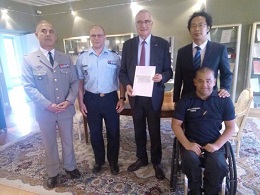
[(22, 165)]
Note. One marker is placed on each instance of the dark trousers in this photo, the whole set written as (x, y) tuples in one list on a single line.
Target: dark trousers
[(100, 108), (215, 170), (143, 111)]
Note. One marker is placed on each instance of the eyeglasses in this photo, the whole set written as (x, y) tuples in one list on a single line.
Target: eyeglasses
[(146, 22), (194, 26), (98, 36), (45, 31)]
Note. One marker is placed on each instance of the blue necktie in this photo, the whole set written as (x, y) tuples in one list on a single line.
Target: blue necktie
[(197, 58)]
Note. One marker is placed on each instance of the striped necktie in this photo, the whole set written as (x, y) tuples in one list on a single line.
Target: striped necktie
[(197, 58)]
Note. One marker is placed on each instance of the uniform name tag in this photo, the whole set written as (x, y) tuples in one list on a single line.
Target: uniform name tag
[(111, 62), (193, 109)]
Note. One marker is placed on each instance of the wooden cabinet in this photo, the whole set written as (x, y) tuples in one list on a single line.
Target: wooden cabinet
[(75, 45), (253, 77)]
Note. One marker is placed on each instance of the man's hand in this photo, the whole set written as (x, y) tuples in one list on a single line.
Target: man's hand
[(223, 93), (211, 147), (55, 108), (157, 78), (129, 90), (194, 147), (120, 105), (83, 109), (64, 104)]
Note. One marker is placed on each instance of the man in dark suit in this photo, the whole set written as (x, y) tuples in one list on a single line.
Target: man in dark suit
[(50, 80), (211, 54), (146, 108)]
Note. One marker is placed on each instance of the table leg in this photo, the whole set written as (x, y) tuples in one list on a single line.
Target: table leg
[(85, 122)]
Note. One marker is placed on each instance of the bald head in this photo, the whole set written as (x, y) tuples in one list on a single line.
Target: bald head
[(46, 35), (43, 22)]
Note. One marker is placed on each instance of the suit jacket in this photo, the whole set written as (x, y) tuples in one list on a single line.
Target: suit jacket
[(215, 58), (159, 57), (45, 84)]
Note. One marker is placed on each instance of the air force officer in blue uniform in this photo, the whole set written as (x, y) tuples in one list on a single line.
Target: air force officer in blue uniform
[(98, 71)]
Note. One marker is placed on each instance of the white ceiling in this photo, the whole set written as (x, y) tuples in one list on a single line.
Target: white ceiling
[(39, 3)]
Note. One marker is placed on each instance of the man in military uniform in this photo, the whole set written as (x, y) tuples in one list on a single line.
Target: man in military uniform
[(98, 71), (50, 80)]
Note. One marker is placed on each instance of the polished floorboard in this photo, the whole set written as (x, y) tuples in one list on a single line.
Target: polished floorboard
[(6, 190)]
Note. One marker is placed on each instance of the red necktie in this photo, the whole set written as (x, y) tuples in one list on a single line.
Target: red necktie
[(142, 57)]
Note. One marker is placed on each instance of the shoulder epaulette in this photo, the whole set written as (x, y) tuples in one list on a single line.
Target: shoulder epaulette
[(116, 52), (82, 52)]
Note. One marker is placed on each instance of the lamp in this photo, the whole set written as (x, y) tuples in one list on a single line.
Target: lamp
[(4, 13), (38, 12)]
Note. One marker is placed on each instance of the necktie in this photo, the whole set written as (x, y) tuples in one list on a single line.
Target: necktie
[(197, 58), (142, 57), (51, 58)]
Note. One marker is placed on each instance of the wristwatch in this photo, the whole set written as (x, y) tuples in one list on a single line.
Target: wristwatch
[(123, 98)]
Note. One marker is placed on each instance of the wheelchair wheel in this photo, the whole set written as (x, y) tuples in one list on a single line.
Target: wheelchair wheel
[(175, 166), (231, 179)]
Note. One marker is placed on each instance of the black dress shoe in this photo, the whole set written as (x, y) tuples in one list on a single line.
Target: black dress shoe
[(195, 192), (135, 166), (159, 174), (75, 174), (114, 169), (52, 181), (97, 168)]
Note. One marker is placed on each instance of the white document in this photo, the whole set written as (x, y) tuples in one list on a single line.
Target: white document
[(143, 83), (226, 36)]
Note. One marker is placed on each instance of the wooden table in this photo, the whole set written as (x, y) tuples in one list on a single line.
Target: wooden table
[(167, 110)]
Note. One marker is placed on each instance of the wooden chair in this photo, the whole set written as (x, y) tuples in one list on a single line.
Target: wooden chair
[(242, 107), (79, 120)]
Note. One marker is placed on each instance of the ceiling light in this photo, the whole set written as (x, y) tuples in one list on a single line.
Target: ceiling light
[(38, 12), (73, 13), (4, 11), (4, 14)]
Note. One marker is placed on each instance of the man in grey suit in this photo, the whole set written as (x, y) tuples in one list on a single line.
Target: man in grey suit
[(146, 108), (50, 80), (212, 55)]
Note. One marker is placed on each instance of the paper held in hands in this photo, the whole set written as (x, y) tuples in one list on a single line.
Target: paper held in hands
[(143, 83)]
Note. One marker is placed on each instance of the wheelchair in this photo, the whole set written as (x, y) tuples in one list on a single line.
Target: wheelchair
[(229, 184)]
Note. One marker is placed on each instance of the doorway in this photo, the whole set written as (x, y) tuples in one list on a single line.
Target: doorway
[(14, 47), (17, 106)]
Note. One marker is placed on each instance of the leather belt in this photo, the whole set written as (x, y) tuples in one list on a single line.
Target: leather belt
[(100, 94)]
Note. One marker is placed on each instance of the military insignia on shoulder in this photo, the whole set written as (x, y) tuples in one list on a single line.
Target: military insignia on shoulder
[(82, 52), (114, 51)]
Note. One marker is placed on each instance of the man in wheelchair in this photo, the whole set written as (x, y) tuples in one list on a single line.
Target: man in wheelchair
[(201, 113)]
